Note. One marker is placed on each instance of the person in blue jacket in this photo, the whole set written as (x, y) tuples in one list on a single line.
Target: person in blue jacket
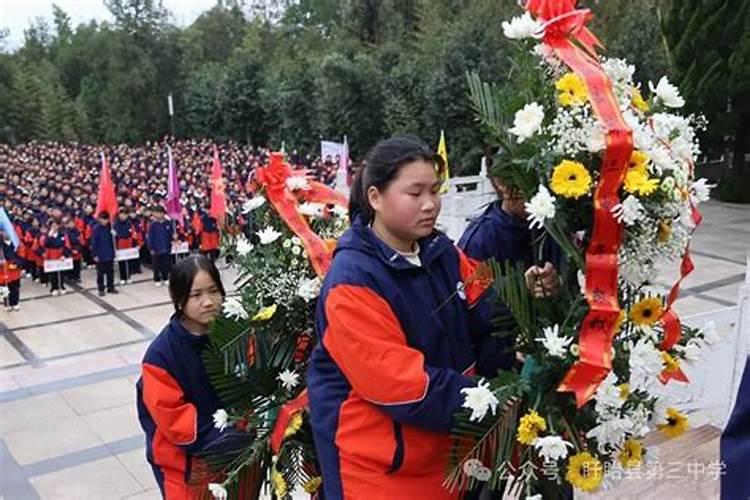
[(103, 253), (159, 241), (402, 325), (175, 397), (735, 445)]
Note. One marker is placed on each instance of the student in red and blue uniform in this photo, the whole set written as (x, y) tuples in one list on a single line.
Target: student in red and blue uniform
[(87, 231), (103, 253), (403, 326), (735, 444), (56, 246), (124, 239), (76, 248), (139, 237), (176, 400), (159, 241), (10, 272), (209, 236)]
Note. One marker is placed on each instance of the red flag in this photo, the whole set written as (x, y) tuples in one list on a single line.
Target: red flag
[(218, 200), (106, 201)]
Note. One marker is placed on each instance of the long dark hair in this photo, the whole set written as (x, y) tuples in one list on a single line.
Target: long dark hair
[(182, 276), (382, 165)]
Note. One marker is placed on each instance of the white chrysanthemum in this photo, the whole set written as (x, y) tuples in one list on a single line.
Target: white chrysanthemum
[(700, 190), (610, 433), (594, 137), (645, 365), (521, 27), (667, 93), (311, 209), (479, 400), (527, 121), (309, 289), (288, 378), (233, 308), (607, 397), (243, 246), (552, 448), (218, 491), (541, 207), (556, 346), (268, 235), (297, 182), (221, 419), (629, 211), (340, 212), (253, 203), (693, 350)]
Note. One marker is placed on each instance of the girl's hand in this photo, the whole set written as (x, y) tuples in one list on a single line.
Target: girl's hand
[(542, 281)]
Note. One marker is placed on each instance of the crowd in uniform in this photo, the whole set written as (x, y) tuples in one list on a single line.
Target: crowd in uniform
[(49, 192)]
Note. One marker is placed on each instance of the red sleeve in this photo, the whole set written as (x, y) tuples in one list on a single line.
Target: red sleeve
[(476, 276), (166, 404)]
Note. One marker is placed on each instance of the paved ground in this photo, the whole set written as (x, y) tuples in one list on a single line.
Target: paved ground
[(68, 365)]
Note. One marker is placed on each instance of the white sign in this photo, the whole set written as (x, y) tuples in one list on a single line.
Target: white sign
[(127, 254), (180, 247), (55, 266)]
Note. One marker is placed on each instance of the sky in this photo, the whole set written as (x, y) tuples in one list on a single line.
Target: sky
[(16, 14)]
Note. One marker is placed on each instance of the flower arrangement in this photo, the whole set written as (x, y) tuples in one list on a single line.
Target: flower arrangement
[(607, 169)]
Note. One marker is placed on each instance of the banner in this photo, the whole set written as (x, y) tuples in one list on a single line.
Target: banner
[(58, 265), (127, 254), (180, 247)]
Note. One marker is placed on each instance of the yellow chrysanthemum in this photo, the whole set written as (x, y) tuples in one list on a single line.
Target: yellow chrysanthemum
[(279, 483), (646, 312), (637, 182), (570, 179), (638, 162), (671, 364), (638, 101), (313, 485), (624, 391), (665, 231), (295, 423), (573, 91), (585, 471), (676, 424), (265, 314), (631, 454), (529, 427)]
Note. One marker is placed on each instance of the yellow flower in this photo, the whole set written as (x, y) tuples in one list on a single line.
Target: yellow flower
[(638, 101), (573, 91), (620, 321), (665, 231), (676, 424), (631, 454), (570, 179), (265, 314), (294, 425), (637, 182), (529, 427), (646, 312), (312, 485), (585, 471), (279, 483), (624, 391), (638, 162)]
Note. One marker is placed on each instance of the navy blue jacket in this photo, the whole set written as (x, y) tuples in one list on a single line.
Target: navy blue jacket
[(102, 246), (735, 445), (159, 238)]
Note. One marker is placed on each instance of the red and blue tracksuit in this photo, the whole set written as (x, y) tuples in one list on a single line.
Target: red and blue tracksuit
[(735, 444), (176, 403), (398, 342)]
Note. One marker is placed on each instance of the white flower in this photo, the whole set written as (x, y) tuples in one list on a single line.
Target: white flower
[(582, 281), (309, 289), (700, 190), (645, 365), (218, 491), (287, 243), (311, 209), (556, 346), (610, 432), (340, 212), (268, 235), (289, 379), (243, 246), (667, 93), (296, 250), (479, 400), (296, 241), (233, 308), (522, 27), (541, 207), (693, 350), (552, 448), (527, 122), (221, 418), (482, 474), (710, 335), (608, 398), (535, 497), (629, 211), (594, 138), (471, 465), (252, 204), (297, 182)]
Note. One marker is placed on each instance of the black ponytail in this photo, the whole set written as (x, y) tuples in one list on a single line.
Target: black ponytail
[(381, 167)]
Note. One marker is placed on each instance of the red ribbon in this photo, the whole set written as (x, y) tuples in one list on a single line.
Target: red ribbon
[(286, 413), (566, 33)]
